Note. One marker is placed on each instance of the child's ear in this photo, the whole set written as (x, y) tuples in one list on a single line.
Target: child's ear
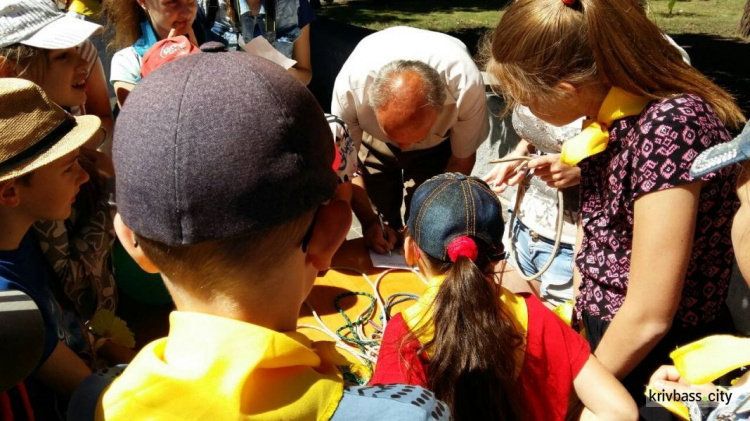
[(567, 87), (9, 194), (411, 253), (127, 239), (331, 226)]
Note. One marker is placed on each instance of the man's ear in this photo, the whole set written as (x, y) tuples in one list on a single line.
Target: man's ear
[(9, 195), (331, 226), (7, 67), (127, 239)]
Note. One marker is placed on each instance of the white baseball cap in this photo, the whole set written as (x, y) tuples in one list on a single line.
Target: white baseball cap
[(37, 23)]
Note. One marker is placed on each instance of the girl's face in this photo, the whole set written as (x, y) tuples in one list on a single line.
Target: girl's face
[(170, 14), (64, 79), (741, 224)]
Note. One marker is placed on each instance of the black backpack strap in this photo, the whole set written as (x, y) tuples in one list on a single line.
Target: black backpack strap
[(213, 9)]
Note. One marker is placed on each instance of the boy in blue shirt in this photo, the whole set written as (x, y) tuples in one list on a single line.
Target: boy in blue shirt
[(39, 179)]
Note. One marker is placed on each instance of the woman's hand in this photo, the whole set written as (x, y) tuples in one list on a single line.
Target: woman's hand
[(505, 174), (555, 173)]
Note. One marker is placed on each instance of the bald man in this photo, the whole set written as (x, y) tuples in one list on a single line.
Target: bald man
[(414, 103)]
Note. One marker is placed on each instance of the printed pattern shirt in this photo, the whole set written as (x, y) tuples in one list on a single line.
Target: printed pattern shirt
[(649, 153)]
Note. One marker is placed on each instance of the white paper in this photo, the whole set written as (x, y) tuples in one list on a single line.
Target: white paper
[(393, 261), (261, 47)]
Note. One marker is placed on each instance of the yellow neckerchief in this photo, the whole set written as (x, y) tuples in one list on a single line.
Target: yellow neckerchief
[(706, 360), (90, 8), (594, 137), (421, 312), (214, 368)]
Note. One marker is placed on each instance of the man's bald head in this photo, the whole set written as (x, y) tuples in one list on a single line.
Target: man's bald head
[(407, 97)]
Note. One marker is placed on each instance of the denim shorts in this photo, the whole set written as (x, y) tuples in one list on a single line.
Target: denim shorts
[(533, 252)]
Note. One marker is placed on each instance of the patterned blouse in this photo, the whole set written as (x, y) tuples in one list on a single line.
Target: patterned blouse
[(648, 153)]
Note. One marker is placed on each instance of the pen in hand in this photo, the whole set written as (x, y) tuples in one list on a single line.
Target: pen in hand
[(382, 227)]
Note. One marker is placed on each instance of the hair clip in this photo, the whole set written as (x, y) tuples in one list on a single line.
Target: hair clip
[(462, 246)]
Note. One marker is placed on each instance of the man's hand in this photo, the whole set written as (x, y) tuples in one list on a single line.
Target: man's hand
[(555, 173), (376, 241), (667, 378)]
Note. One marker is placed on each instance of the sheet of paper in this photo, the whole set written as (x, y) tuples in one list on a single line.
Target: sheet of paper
[(393, 261), (261, 47)]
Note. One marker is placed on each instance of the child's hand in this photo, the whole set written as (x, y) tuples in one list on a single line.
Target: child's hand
[(668, 378), (555, 173), (505, 174), (190, 35)]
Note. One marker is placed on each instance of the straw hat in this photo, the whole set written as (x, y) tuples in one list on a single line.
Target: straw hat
[(34, 131)]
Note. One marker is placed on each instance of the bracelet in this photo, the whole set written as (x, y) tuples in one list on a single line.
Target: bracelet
[(104, 129)]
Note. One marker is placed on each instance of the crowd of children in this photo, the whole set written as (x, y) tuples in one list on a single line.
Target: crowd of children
[(241, 208)]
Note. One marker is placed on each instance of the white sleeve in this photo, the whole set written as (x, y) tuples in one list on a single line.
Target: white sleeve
[(473, 124), (126, 67), (344, 106)]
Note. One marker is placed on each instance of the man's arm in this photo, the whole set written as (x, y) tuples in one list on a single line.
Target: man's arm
[(369, 221), (662, 242), (473, 124), (462, 165)]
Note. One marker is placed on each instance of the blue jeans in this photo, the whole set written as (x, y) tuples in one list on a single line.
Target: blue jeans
[(533, 252)]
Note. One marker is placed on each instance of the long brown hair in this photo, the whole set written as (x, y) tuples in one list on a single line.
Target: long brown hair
[(539, 43), (473, 362), (124, 19)]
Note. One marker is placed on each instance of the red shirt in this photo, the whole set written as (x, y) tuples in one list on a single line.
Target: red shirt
[(555, 354)]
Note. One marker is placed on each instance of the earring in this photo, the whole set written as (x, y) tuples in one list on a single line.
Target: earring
[(135, 243)]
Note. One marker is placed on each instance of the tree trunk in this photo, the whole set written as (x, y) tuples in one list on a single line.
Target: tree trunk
[(745, 22)]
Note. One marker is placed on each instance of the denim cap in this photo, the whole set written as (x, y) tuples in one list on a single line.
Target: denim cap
[(219, 145), (453, 205), (722, 155)]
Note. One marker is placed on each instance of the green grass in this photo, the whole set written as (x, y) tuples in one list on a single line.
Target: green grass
[(715, 17)]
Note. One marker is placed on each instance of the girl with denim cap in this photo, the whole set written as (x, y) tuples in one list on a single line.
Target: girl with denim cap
[(486, 352), (654, 253)]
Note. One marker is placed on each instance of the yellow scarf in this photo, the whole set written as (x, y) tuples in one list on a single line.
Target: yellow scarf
[(420, 313), (214, 368), (704, 361), (594, 137), (90, 8)]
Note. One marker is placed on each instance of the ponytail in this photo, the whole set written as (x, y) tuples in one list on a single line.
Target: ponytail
[(473, 363), (539, 43)]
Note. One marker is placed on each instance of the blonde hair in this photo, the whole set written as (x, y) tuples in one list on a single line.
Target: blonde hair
[(539, 43), (124, 19)]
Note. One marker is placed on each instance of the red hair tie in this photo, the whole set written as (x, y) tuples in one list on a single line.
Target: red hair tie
[(569, 2), (462, 246)]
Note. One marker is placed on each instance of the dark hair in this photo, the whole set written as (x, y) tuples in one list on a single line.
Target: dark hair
[(473, 362), (201, 268)]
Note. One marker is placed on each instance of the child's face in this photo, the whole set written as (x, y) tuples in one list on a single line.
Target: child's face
[(64, 79), (741, 224), (52, 189), (171, 14)]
